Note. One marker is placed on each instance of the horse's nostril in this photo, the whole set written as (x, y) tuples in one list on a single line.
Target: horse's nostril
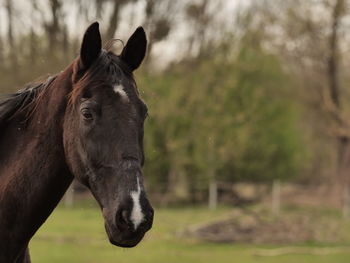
[(125, 216), (122, 220)]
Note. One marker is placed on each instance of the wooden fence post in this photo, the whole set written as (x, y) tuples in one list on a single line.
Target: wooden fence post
[(276, 197), (213, 195), (346, 201)]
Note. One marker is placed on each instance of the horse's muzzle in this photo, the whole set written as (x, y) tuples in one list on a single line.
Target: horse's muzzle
[(122, 231)]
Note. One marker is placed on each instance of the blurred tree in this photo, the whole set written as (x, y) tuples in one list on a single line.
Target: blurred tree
[(310, 37), (159, 19), (225, 120), (201, 16)]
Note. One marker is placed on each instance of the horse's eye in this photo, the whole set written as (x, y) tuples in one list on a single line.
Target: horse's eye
[(87, 114)]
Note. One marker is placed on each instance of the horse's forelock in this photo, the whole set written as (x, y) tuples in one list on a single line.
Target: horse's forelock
[(108, 69)]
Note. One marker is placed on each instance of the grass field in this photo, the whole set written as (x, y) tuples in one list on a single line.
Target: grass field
[(77, 235)]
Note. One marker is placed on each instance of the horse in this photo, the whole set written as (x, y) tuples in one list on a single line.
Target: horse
[(87, 123)]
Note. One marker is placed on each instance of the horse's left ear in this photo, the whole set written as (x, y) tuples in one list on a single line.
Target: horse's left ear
[(135, 49), (91, 45)]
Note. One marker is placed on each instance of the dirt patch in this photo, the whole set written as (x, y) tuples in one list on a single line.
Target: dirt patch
[(262, 228)]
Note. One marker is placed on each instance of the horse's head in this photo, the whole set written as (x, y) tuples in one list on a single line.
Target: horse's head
[(103, 134)]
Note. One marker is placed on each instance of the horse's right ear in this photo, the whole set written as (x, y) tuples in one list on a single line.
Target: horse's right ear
[(91, 46)]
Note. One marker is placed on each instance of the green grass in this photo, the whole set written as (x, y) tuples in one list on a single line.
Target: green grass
[(77, 235)]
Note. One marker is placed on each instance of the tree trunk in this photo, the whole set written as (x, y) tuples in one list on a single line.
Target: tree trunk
[(10, 38), (333, 54), (333, 71), (341, 181), (53, 27), (33, 48), (113, 20)]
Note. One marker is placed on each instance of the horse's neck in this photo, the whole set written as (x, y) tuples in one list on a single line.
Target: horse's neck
[(33, 171)]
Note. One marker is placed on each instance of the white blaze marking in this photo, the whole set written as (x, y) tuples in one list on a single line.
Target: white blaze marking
[(136, 213), (119, 89)]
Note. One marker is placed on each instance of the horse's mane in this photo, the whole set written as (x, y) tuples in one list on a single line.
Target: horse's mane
[(108, 68), (22, 101)]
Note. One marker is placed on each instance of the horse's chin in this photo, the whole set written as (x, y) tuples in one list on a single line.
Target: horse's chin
[(125, 239), (125, 245)]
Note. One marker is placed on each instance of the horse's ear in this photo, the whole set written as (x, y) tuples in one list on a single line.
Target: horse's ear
[(91, 46), (135, 49)]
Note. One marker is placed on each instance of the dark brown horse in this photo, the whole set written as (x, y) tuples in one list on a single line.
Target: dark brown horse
[(85, 123)]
